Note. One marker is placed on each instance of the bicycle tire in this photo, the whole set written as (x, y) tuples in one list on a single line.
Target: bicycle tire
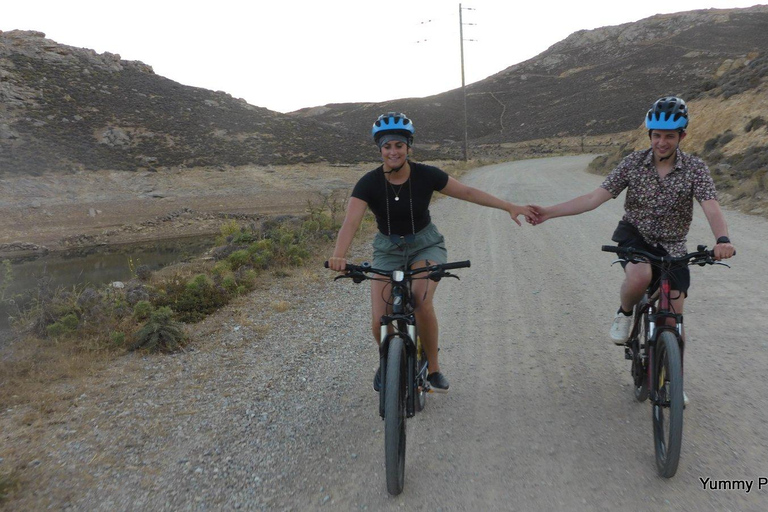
[(394, 416), (640, 370), (421, 393), (668, 404)]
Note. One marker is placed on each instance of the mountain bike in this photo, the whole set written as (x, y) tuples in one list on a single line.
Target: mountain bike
[(655, 347), (404, 368)]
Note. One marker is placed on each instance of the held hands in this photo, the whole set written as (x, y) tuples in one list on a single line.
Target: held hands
[(538, 214), (515, 211)]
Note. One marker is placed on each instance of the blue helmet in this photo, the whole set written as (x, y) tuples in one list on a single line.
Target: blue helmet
[(668, 113), (392, 126)]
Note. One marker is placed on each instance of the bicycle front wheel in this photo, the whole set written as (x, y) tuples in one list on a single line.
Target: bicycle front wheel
[(420, 401), (394, 416), (668, 404)]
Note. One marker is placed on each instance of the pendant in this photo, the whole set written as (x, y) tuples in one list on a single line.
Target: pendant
[(397, 198)]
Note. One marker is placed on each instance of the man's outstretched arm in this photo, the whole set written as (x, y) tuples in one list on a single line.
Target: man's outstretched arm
[(575, 206)]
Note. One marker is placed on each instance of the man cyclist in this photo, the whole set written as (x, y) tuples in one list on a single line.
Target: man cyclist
[(661, 184)]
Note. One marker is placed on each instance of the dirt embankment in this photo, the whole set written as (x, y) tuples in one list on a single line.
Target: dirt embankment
[(63, 212), (51, 213)]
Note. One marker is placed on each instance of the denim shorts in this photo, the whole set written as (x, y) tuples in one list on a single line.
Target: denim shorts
[(427, 244)]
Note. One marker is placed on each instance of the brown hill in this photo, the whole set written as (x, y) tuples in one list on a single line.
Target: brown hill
[(596, 82), (64, 109)]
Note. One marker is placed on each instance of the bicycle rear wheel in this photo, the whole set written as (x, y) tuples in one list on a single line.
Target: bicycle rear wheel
[(394, 416), (668, 404)]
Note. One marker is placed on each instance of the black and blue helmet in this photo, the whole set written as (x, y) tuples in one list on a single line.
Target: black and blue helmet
[(667, 113), (392, 126)]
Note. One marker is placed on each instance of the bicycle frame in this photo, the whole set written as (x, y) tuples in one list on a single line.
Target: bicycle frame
[(404, 322), (655, 309)]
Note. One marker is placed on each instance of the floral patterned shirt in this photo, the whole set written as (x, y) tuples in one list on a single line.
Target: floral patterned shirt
[(661, 208)]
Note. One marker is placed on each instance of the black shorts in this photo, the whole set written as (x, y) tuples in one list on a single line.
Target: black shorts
[(627, 235)]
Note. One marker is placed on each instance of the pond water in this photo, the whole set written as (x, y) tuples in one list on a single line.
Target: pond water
[(97, 266)]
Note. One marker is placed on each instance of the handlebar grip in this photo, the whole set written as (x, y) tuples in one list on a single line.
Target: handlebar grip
[(349, 265), (456, 264), (610, 248)]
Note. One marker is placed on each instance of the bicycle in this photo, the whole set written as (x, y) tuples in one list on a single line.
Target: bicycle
[(404, 367), (655, 347)]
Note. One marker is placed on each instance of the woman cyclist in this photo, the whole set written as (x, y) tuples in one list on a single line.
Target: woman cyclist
[(398, 193)]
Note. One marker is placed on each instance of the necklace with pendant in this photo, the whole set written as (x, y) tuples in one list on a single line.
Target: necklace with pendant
[(397, 198), (399, 189)]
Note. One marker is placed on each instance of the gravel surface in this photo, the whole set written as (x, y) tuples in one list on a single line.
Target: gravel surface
[(273, 408)]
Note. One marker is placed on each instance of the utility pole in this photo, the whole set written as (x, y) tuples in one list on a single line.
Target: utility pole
[(463, 85)]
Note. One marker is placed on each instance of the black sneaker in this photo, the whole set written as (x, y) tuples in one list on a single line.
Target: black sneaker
[(438, 381), (377, 380)]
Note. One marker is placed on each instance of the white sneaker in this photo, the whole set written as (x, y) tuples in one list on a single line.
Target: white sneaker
[(685, 399), (620, 328)]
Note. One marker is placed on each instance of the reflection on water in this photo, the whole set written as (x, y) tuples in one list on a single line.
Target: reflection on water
[(98, 265)]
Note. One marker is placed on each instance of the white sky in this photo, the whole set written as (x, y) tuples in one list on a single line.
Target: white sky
[(288, 54)]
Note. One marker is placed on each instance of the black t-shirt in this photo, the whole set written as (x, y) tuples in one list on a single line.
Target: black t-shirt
[(375, 190)]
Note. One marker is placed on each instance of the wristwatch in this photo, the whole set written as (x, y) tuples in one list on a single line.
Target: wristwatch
[(723, 240)]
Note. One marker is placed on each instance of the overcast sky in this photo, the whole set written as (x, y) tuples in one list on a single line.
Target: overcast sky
[(288, 54)]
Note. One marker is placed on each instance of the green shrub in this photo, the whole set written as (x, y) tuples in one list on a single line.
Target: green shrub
[(70, 322), (221, 268), (160, 334), (229, 283), (117, 338), (719, 141), (296, 255), (228, 230), (142, 310), (242, 238), (755, 123), (194, 300), (199, 282), (239, 259), (262, 246), (311, 225), (55, 330)]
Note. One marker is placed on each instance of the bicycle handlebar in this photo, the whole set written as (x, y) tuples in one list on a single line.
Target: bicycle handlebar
[(437, 268), (701, 257)]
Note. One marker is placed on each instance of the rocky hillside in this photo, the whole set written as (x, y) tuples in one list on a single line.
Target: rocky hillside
[(65, 109), (592, 83)]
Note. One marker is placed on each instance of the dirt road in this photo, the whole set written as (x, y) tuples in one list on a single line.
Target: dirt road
[(272, 409), (540, 415)]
